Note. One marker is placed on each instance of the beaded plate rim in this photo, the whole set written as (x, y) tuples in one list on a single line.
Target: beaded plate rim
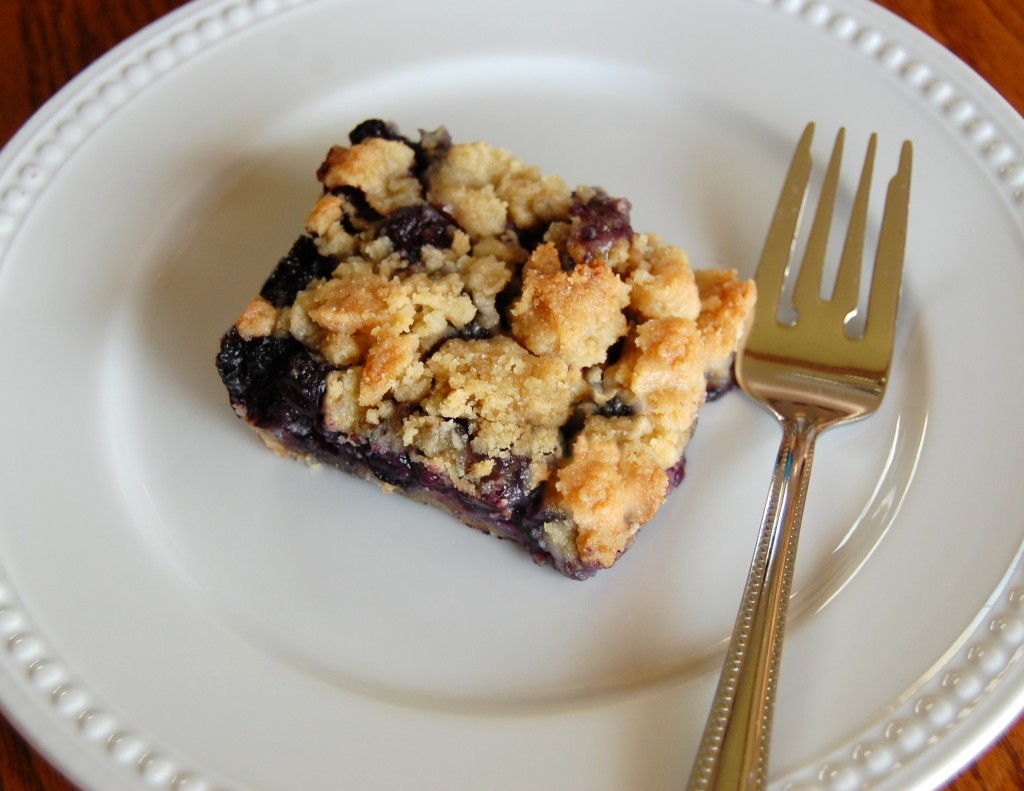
[(970, 674)]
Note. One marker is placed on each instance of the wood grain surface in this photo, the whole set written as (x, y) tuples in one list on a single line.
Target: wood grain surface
[(45, 43)]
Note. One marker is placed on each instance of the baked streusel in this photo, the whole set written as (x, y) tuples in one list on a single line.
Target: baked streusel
[(461, 327)]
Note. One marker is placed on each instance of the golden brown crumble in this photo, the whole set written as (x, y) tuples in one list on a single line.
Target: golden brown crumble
[(727, 307), (356, 309), (662, 372), (258, 320), (503, 331), (513, 401), (483, 187), (380, 168), (611, 484), (576, 314), (661, 282)]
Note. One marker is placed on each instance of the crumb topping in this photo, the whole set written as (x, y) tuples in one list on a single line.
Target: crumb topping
[(258, 320), (511, 401), (484, 187), (661, 282), (612, 484), (726, 310), (379, 168), (556, 305), (472, 312), (356, 309)]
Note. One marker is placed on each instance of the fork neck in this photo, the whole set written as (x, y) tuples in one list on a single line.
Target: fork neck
[(808, 420)]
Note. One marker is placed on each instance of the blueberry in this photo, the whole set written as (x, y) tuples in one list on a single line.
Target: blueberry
[(303, 381), (411, 227), (473, 331), (431, 147), (615, 407), (355, 206), (395, 469), (374, 127), (277, 382), (676, 473), (295, 271), (507, 489), (247, 365), (602, 222)]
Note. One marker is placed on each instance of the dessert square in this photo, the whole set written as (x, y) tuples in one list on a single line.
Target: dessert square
[(460, 327)]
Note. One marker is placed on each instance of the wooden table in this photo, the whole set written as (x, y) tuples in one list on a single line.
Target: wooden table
[(44, 43)]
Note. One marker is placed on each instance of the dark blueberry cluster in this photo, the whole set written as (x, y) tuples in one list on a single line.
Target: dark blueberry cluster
[(295, 271), (375, 127), (394, 469), (507, 488), (411, 227), (278, 385), (474, 331), (275, 383), (615, 407)]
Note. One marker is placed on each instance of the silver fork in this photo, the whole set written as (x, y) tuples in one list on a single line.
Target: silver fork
[(811, 375)]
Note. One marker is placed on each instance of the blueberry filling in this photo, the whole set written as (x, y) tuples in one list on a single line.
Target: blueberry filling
[(603, 221), (357, 200), (719, 387), (615, 407), (474, 331), (410, 228), (302, 265), (278, 385), (676, 473), (375, 127), (275, 383)]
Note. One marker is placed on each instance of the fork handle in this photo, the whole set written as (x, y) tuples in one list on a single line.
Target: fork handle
[(733, 754)]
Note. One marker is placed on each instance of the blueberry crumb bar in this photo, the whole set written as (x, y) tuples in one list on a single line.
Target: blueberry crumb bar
[(460, 327)]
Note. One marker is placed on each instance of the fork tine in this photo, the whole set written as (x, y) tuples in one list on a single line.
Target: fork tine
[(778, 247), (847, 291), (807, 292), (883, 301)]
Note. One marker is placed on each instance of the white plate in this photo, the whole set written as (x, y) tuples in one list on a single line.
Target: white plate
[(182, 610)]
